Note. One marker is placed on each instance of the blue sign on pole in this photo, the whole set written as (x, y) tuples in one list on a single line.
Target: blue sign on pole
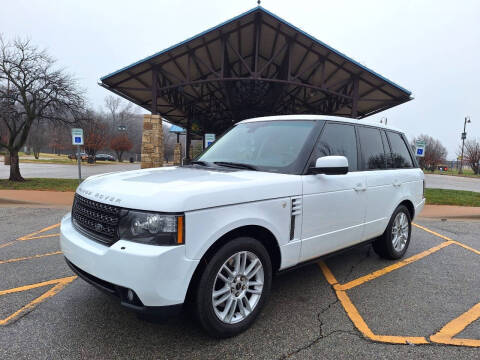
[(77, 137), (419, 152)]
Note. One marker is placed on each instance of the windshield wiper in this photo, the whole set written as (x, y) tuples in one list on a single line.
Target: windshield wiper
[(199, 162), (235, 165)]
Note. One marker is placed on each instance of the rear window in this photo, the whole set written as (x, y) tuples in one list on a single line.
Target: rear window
[(400, 155), (373, 155)]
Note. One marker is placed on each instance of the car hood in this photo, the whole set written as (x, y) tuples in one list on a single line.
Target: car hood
[(179, 189)]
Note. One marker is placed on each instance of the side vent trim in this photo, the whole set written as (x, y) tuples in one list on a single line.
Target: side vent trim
[(296, 210)]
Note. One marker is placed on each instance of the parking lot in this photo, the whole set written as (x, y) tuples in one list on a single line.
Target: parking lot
[(60, 171), (353, 305), (452, 182)]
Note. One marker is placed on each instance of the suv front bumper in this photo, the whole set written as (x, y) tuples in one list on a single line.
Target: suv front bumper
[(158, 275)]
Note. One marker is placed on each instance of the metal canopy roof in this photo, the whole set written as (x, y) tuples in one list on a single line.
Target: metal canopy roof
[(176, 129), (255, 64)]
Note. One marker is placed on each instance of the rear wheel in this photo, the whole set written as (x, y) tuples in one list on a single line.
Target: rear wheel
[(394, 242), (233, 287)]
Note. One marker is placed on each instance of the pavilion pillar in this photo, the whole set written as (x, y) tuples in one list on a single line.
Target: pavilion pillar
[(177, 154), (188, 141), (152, 141)]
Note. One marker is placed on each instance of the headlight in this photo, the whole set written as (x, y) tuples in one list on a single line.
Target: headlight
[(152, 228)]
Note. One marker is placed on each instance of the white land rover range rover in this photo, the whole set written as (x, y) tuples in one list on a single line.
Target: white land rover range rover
[(270, 194)]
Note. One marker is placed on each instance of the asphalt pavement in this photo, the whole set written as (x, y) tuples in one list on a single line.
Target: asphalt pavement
[(452, 182), (61, 171), (353, 305)]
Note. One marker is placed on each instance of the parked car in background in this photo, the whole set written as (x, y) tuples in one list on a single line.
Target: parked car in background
[(442, 168), (83, 156), (268, 195), (104, 157)]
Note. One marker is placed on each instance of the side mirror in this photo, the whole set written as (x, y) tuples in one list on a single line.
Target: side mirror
[(330, 165)]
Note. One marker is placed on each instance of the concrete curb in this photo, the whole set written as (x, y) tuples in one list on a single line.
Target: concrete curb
[(450, 212), (35, 197)]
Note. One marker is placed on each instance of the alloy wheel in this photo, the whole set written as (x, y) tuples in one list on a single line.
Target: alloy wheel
[(400, 231), (238, 287)]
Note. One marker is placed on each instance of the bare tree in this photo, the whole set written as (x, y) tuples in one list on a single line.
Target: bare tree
[(37, 139), (59, 138), (120, 144), (119, 112), (113, 103), (435, 152), (95, 131), (472, 154), (31, 89)]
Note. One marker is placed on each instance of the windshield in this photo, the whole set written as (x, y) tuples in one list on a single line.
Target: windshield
[(265, 145)]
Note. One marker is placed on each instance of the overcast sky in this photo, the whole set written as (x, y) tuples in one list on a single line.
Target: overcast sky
[(431, 48)]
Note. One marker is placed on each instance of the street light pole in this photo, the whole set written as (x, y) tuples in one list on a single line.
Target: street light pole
[(464, 136)]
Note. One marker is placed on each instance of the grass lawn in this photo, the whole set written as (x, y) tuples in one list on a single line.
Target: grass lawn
[(452, 197), (40, 184), (49, 161), (65, 161)]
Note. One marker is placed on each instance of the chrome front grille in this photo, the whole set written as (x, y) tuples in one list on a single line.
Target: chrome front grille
[(96, 220)]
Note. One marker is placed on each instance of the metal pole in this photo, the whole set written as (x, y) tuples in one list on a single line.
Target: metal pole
[(79, 164), (464, 135)]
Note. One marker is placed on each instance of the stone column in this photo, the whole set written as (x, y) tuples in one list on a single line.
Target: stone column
[(177, 154), (152, 141)]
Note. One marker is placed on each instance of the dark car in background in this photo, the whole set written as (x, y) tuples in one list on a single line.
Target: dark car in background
[(104, 157), (83, 156)]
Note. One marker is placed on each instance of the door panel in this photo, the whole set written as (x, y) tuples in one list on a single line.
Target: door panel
[(380, 190), (380, 194), (333, 205), (333, 213)]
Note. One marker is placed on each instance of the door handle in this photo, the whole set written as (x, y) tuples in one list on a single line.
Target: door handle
[(360, 187), (397, 183)]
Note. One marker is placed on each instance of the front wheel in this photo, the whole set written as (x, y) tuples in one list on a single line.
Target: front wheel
[(234, 287), (393, 244)]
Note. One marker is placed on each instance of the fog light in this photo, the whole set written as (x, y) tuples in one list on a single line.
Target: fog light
[(130, 295)]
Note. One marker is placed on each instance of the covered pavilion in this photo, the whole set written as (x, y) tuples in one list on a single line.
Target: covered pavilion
[(255, 64)]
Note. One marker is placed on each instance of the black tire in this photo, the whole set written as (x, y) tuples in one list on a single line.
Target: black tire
[(383, 245), (203, 305)]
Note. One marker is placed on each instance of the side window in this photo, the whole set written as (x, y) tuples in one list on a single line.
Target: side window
[(373, 155), (400, 155), (338, 139), (386, 148)]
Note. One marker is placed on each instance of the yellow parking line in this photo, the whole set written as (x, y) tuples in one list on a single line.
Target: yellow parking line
[(7, 244), (328, 273), (456, 326), (34, 236), (391, 268), (358, 320), (432, 232), (34, 286), (447, 238), (29, 257), (467, 247), (30, 236), (59, 285), (444, 336), (40, 237)]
